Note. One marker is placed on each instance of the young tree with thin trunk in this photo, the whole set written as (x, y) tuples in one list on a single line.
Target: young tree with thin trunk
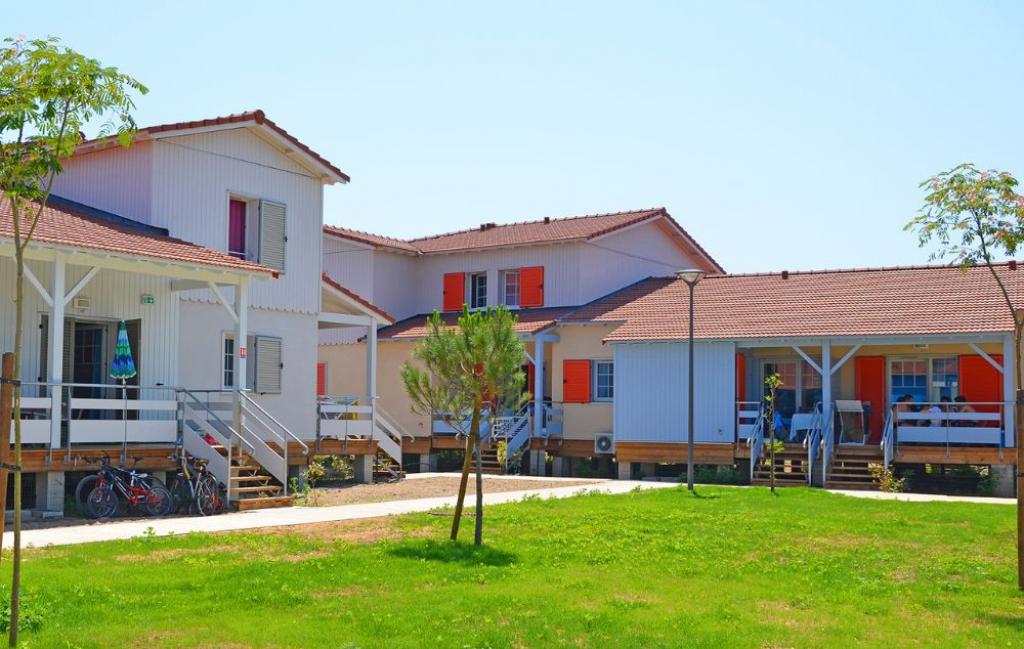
[(466, 375), (49, 94), (773, 382), (976, 217)]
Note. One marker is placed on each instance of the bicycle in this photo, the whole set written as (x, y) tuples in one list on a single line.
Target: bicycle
[(137, 489), (195, 489)]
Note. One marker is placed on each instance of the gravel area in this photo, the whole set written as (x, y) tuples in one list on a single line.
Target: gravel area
[(428, 488)]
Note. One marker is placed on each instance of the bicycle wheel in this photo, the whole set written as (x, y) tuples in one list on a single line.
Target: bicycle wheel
[(101, 502), (82, 490), (206, 497), (159, 501), (181, 493)]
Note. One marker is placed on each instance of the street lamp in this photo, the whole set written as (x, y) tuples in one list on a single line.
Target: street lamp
[(691, 276)]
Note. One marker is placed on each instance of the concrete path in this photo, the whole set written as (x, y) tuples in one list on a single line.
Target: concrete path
[(110, 531), (923, 498)]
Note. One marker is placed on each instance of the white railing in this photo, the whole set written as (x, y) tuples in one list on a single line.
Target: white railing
[(975, 423), (812, 442), (828, 444), (344, 417), (747, 414), (888, 441), (755, 441), (553, 413)]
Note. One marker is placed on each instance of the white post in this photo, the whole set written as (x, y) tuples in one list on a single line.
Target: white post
[(55, 353), (826, 383), (1009, 390), (241, 344), (538, 387), (371, 373)]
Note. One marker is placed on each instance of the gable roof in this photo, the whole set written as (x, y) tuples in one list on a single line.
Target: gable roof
[(547, 230), (377, 241), (916, 300), (68, 224), (530, 321), (255, 118), (360, 300)]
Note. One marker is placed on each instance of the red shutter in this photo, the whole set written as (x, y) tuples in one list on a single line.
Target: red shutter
[(530, 373), (869, 385), (321, 379), (979, 381), (531, 286), (236, 228), (741, 377), (576, 381), (454, 291)]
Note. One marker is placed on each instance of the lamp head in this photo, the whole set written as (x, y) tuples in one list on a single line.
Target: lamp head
[(691, 275)]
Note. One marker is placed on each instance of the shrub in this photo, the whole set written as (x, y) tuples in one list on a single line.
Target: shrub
[(886, 479)]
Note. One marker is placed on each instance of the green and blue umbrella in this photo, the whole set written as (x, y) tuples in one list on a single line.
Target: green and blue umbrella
[(123, 367)]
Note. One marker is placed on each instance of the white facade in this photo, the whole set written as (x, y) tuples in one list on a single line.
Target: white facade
[(651, 392)]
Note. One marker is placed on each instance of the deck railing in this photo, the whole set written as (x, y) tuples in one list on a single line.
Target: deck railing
[(974, 423), (747, 414)]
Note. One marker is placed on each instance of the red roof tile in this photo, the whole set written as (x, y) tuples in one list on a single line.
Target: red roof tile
[(860, 302), (257, 116), (574, 228), (358, 298), (530, 322), (375, 240), (68, 227)]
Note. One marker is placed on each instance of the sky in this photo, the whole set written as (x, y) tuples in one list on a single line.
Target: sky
[(781, 135)]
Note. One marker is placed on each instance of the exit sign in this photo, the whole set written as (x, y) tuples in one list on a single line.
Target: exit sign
[(148, 299)]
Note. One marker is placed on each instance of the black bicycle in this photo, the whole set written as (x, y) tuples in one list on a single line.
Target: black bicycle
[(114, 484), (195, 490)]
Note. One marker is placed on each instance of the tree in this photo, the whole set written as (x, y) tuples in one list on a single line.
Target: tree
[(975, 217), (471, 373), (49, 94), (773, 382)]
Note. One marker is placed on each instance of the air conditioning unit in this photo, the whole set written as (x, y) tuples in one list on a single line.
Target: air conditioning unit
[(604, 444)]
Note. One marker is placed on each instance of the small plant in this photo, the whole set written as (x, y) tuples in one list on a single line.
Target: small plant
[(313, 473), (718, 474), (585, 469), (886, 479), (773, 382), (512, 462)]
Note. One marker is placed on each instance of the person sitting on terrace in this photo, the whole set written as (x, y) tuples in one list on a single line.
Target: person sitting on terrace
[(903, 404), (937, 409), (963, 406)]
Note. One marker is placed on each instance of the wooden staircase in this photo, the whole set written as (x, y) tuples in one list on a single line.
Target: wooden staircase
[(489, 460), (252, 486), (386, 469), (849, 468), (790, 468)]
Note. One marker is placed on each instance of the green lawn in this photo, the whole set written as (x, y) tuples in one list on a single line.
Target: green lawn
[(730, 568)]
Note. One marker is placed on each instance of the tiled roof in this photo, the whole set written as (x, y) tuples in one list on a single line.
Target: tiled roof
[(919, 300), (257, 116), (530, 322), (84, 228), (358, 298), (549, 230), (375, 240)]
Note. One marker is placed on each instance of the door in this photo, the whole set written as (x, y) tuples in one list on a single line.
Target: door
[(869, 388), (785, 395)]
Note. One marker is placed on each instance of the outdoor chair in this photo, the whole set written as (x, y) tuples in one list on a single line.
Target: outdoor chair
[(852, 423)]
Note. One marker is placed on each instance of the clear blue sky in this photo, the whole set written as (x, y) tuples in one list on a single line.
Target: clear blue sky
[(782, 135)]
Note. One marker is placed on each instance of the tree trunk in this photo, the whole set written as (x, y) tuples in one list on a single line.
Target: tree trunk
[(478, 536), (467, 463), (19, 311), (771, 454), (1018, 435)]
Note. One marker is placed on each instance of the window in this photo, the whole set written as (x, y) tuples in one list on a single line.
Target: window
[(801, 386), (477, 290), (510, 287), (237, 228), (263, 366), (257, 231), (229, 362), (604, 380), (924, 379)]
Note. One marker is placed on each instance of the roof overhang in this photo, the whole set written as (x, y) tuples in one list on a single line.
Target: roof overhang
[(836, 340), (340, 308)]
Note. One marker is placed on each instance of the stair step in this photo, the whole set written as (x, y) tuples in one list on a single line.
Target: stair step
[(245, 467), (265, 503), (250, 478), (256, 489), (863, 486)]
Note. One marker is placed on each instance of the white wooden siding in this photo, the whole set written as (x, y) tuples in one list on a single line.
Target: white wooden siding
[(651, 392), (350, 264), (113, 295), (625, 257), (114, 179), (193, 177)]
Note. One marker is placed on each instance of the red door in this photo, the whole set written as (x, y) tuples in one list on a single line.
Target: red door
[(869, 386), (741, 377), (979, 381), (321, 379)]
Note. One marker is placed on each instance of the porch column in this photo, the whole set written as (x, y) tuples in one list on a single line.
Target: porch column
[(241, 347), (371, 372), (538, 386), (1009, 390), (55, 353), (826, 383)]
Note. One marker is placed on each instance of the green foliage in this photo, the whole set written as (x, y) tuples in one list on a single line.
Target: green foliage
[(313, 473), (733, 568), (886, 479), (719, 474)]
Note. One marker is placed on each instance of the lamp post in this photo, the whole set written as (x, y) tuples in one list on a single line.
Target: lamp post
[(691, 276)]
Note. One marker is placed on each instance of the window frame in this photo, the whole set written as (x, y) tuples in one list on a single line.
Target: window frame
[(252, 227), (595, 365), (503, 277), (929, 384), (799, 389), (471, 288)]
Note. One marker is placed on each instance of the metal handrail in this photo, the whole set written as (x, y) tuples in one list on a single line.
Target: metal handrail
[(756, 441), (206, 409), (888, 443), (827, 446), (247, 398)]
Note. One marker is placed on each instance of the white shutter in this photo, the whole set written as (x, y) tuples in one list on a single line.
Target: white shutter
[(273, 235), (268, 365)]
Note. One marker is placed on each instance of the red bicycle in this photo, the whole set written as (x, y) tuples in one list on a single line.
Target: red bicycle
[(140, 490)]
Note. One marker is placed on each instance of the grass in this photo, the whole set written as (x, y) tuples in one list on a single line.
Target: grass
[(729, 568)]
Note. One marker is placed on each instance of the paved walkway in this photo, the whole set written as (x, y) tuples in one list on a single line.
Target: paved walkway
[(923, 498), (110, 531)]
